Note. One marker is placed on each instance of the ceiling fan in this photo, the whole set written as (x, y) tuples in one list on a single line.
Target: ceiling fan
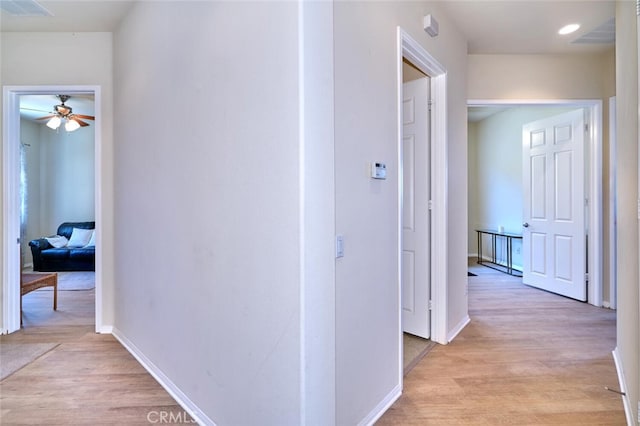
[(64, 113)]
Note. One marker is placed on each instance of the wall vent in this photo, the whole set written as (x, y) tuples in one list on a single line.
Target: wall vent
[(604, 34)]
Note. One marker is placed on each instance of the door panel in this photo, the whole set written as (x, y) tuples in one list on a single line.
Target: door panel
[(564, 256), (563, 190), (538, 188), (554, 248), (409, 272), (538, 253), (408, 179), (415, 209)]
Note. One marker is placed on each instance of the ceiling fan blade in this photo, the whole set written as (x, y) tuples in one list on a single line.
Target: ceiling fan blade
[(86, 117), (46, 117), (34, 109), (80, 122)]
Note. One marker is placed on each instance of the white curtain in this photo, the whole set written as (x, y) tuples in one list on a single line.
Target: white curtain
[(23, 198)]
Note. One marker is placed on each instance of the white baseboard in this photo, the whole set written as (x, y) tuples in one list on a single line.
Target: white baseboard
[(458, 328), (382, 407), (628, 411), (164, 381), (105, 329)]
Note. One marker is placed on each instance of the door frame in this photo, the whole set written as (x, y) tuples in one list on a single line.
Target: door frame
[(411, 50), (11, 201), (593, 159), (613, 229)]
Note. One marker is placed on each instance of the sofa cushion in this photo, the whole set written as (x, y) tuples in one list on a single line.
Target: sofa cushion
[(56, 253), (79, 237), (66, 228), (58, 241), (82, 254), (92, 241)]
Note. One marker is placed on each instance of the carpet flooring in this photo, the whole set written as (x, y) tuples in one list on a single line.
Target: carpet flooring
[(414, 349), (14, 356), (76, 280)]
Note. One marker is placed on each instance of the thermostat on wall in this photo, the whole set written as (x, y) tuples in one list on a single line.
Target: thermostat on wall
[(378, 171)]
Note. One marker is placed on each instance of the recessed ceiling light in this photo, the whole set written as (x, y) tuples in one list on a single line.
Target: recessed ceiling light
[(568, 29)]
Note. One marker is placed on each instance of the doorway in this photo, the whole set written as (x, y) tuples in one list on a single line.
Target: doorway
[(411, 51), (591, 168), (416, 193), (416, 221), (12, 200)]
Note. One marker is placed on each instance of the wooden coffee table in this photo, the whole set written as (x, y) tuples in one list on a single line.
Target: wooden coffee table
[(31, 281)]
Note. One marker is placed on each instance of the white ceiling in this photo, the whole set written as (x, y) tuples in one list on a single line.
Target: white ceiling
[(69, 16), (503, 26), (528, 26), (491, 27)]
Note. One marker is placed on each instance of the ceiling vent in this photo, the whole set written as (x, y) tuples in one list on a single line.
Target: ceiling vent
[(24, 8), (604, 34)]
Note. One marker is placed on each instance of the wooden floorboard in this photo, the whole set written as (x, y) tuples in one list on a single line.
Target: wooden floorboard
[(87, 379), (528, 357)]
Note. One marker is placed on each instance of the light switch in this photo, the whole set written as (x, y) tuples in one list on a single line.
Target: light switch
[(339, 246)]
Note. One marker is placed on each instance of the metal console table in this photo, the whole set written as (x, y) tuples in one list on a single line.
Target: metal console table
[(493, 263)]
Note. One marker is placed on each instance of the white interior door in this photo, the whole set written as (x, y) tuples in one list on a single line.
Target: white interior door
[(415, 209), (554, 242)]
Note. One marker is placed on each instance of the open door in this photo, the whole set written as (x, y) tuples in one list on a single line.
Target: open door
[(554, 243), (416, 254)]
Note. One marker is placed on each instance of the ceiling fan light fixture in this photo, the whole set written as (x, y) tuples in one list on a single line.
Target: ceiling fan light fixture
[(71, 125), (54, 123)]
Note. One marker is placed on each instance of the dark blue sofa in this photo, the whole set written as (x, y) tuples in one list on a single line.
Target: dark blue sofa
[(47, 258)]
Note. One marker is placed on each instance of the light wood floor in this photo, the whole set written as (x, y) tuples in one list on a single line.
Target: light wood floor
[(87, 379), (527, 358)]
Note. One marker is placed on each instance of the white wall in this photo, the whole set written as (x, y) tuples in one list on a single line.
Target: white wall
[(496, 188), (208, 235), (628, 321), (538, 76), (27, 60), (241, 324), (66, 177), (367, 317)]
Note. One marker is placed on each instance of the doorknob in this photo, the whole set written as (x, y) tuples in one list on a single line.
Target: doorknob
[(526, 225)]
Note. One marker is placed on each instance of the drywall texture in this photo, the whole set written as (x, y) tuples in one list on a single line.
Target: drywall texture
[(207, 177), (242, 324), (367, 210), (538, 76)]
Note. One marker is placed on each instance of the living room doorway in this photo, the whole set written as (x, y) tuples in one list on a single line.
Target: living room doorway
[(61, 169)]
